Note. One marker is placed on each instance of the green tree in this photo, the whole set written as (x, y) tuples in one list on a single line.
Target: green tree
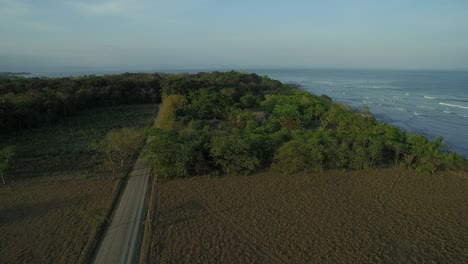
[(234, 154), (119, 146), (250, 100), (263, 147), (375, 149), (239, 118), (316, 155), (291, 157), (169, 155), (394, 142), (207, 104)]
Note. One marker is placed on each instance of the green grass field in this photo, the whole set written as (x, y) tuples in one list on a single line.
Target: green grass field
[(71, 146), (58, 192)]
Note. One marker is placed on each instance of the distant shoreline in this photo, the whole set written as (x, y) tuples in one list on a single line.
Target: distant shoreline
[(14, 73)]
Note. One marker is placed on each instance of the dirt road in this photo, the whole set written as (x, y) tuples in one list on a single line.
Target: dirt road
[(122, 241)]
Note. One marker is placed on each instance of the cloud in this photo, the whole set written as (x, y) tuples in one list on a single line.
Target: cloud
[(102, 8), (13, 8), (21, 15), (42, 26)]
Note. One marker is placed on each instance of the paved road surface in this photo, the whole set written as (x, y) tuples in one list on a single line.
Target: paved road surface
[(122, 241)]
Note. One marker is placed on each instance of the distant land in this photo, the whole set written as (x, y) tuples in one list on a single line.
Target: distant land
[(14, 73)]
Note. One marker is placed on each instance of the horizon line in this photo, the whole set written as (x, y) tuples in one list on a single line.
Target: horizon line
[(224, 68)]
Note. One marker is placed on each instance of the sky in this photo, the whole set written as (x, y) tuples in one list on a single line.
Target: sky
[(64, 35)]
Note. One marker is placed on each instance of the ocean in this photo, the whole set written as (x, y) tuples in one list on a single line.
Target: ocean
[(432, 103)]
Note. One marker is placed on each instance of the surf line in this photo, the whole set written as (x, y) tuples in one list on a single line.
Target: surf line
[(453, 105)]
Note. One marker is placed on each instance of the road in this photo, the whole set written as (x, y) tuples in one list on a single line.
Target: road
[(122, 240)]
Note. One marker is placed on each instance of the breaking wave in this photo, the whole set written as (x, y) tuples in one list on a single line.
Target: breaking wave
[(454, 105)]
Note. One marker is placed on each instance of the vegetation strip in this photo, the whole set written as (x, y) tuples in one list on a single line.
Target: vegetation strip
[(148, 223)]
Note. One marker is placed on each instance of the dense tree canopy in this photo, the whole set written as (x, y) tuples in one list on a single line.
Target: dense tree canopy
[(251, 123), (33, 102)]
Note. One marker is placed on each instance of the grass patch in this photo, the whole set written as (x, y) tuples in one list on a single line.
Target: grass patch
[(71, 146)]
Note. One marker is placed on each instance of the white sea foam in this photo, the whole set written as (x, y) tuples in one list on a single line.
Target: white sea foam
[(324, 82), (447, 112), (371, 87), (454, 105), (425, 107), (430, 97)]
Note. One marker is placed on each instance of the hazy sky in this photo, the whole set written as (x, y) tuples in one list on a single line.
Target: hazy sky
[(155, 34)]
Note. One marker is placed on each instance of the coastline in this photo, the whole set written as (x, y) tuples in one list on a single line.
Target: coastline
[(429, 113), (10, 74)]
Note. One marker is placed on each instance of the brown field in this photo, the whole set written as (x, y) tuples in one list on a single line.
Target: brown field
[(51, 221), (377, 216)]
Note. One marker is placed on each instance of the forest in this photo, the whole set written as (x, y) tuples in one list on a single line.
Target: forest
[(236, 123), (229, 123), (34, 102)]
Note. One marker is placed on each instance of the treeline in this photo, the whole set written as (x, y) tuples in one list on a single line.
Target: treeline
[(229, 123), (237, 124), (33, 102)]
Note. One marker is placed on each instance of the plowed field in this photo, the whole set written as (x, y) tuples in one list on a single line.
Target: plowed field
[(386, 215)]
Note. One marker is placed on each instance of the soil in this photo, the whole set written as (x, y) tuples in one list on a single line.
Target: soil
[(374, 216), (51, 221)]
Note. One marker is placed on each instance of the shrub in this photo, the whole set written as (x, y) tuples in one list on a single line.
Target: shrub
[(196, 125)]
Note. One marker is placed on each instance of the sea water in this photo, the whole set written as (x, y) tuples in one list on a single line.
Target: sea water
[(432, 103)]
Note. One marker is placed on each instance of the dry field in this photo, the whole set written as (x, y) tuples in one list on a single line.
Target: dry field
[(51, 221), (377, 216)]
